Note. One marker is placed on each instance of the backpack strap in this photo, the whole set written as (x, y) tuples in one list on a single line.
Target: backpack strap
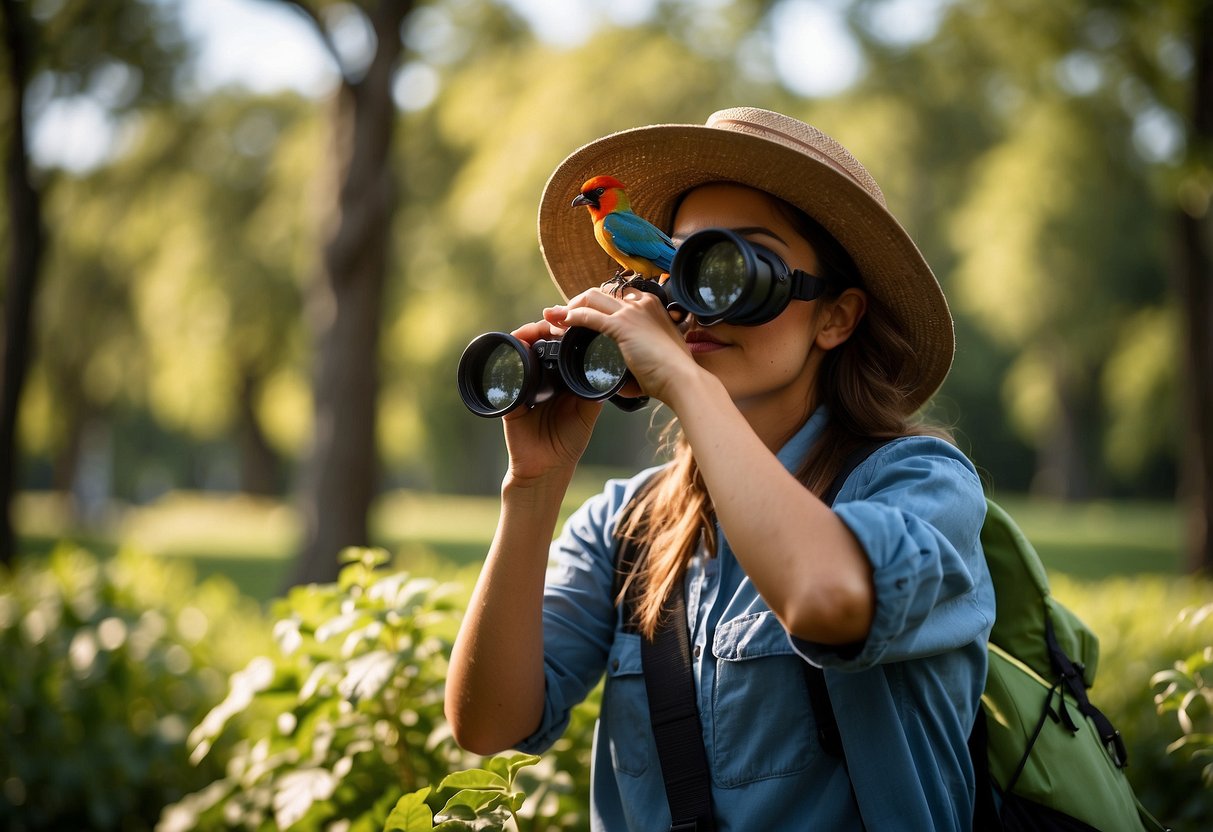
[(670, 684), (1070, 675)]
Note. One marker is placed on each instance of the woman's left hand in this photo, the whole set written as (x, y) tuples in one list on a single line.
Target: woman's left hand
[(650, 342)]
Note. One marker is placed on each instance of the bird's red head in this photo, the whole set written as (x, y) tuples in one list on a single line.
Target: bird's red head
[(602, 195)]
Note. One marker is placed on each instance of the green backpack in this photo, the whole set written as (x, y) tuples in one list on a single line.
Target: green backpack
[(1053, 757)]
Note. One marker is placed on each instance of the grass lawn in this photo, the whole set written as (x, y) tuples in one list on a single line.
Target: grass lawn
[(1101, 539), (251, 540)]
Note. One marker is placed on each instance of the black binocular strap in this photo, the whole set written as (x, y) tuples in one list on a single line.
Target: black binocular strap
[(670, 684)]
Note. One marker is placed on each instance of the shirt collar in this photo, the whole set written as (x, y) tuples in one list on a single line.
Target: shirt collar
[(794, 452)]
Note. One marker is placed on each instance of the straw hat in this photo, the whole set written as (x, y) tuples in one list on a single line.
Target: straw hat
[(773, 153)]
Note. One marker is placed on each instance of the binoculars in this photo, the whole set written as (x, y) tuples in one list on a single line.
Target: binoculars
[(499, 372), (716, 275)]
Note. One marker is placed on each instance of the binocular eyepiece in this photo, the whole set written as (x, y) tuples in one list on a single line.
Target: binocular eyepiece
[(717, 275)]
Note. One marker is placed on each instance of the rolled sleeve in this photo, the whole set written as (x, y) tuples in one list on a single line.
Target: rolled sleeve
[(916, 507), (578, 608)]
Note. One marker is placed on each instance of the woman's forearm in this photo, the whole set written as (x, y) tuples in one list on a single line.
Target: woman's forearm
[(495, 688), (801, 557)]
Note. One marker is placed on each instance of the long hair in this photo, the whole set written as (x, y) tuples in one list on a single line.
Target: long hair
[(863, 382)]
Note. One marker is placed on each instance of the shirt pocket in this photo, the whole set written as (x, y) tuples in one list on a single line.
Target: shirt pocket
[(763, 723), (625, 708)]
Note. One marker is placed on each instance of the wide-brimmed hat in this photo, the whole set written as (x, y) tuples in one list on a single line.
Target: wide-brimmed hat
[(773, 153)]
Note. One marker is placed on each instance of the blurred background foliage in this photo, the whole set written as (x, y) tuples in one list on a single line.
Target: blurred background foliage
[(1051, 158), (1014, 142)]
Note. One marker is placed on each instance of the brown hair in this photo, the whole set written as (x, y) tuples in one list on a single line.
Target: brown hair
[(863, 382)]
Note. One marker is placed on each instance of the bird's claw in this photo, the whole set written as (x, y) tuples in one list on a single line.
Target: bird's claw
[(623, 279)]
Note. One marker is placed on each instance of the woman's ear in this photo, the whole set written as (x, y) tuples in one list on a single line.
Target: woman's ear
[(841, 318)]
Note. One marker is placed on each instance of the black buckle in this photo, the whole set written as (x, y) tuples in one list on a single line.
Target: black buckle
[(1115, 744)]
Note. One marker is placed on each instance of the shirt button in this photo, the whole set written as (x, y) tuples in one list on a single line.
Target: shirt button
[(615, 664), (696, 651)]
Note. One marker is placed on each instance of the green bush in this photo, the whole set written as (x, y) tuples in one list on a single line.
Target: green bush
[(1141, 630), (346, 717), (1187, 692), (343, 718), (106, 666)]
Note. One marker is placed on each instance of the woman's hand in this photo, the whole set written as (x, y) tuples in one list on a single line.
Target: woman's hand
[(548, 439), (651, 344)]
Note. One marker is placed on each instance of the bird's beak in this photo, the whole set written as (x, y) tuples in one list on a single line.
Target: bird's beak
[(582, 199)]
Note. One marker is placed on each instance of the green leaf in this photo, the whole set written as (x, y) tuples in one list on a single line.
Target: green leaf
[(369, 557), (473, 801), (411, 814), (367, 675), (513, 764), (297, 791), (475, 778)]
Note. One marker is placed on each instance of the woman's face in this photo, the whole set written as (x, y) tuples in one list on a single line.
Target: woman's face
[(773, 366)]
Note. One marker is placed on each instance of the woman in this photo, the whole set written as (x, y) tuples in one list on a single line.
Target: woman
[(887, 589)]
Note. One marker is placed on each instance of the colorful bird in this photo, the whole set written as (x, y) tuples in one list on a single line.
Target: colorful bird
[(634, 243)]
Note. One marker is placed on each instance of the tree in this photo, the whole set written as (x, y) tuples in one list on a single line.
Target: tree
[(345, 297), (25, 255), (1195, 280), (122, 52), (1137, 73), (213, 211)]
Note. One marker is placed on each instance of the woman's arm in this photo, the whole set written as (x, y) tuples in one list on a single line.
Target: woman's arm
[(495, 687), (801, 557)]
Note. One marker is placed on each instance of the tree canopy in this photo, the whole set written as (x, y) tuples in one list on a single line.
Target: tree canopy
[(1039, 152)]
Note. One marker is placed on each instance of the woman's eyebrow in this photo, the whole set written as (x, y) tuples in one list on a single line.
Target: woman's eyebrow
[(758, 229), (744, 231)]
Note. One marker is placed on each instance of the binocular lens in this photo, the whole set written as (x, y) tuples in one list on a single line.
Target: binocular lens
[(591, 364), (721, 277), (502, 377), (603, 364), (497, 373)]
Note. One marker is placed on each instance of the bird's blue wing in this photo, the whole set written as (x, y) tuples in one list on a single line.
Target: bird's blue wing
[(637, 237)]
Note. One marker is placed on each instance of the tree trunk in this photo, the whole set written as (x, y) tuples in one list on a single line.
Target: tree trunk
[(340, 474), (1062, 467), (260, 465), (25, 255), (1195, 274)]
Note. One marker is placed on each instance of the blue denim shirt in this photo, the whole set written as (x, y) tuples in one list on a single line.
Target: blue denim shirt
[(905, 700)]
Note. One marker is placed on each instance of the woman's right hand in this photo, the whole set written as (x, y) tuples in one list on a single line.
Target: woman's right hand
[(547, 440)]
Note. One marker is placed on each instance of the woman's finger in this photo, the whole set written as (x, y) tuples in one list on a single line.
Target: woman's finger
[(536, 331)]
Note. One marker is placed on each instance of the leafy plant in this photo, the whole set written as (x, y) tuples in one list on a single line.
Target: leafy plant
[(1138, 634), (106, 665), (345, 716), (474, 799), (1187, 692)]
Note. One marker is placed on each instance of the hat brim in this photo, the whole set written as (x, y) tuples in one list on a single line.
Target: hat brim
[(662, 162)]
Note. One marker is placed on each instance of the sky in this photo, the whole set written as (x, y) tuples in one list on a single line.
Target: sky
[(813, 55)]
